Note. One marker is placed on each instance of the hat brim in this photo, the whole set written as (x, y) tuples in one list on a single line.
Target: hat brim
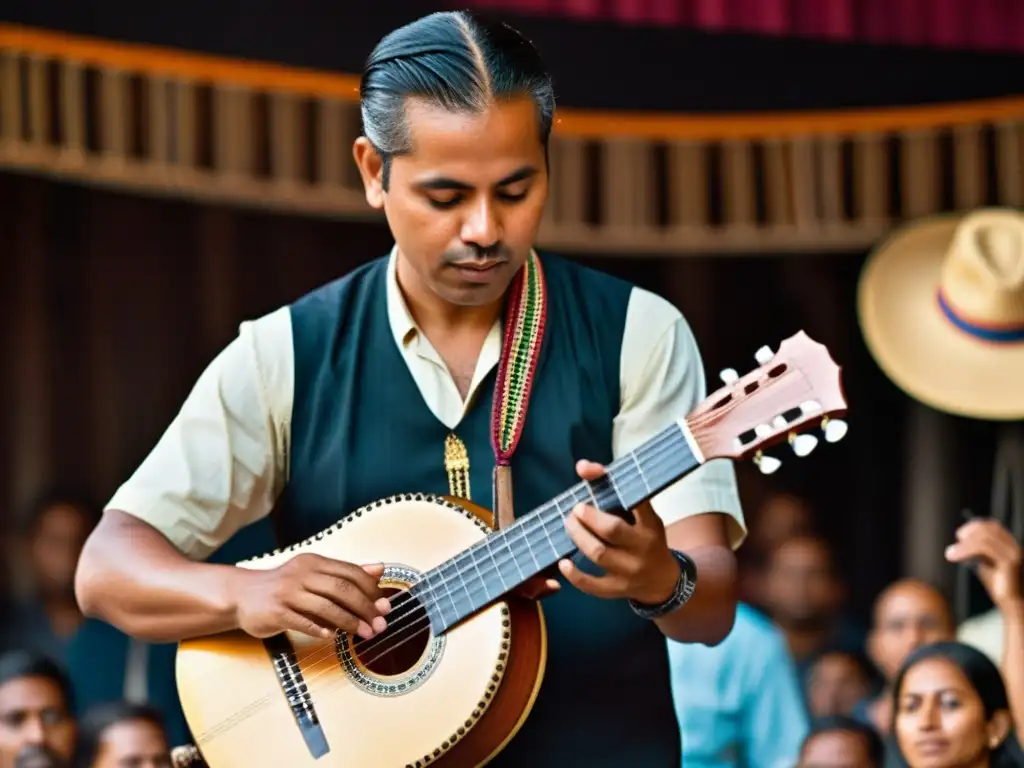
[(917, 346)]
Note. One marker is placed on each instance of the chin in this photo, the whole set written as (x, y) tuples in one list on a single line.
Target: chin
[(474, 295)]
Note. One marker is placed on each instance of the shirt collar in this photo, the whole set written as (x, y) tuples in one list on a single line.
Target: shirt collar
[(403, 327)]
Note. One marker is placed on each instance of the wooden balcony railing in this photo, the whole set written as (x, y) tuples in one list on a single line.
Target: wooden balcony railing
[(165, 122)]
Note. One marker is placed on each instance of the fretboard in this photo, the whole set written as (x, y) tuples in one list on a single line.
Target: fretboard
[(538, 539)]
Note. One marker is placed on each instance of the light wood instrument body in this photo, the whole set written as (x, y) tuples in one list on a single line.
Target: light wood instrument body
[(466, 695)]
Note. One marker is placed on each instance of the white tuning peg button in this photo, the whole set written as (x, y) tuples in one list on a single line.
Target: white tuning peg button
[(728, 376), (803, 444), (767, 464), (835, 429), (763, 355)]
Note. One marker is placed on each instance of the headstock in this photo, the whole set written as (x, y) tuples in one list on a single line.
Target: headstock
[(796, 387)]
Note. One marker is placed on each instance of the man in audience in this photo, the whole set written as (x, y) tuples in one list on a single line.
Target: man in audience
[(37, 729), (776, 519), (908, 614), (804, 595), (739, 702), (838, 682), (122, 734), (840, 742), (58, 527)]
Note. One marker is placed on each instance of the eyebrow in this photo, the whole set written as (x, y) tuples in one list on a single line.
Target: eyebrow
[(445, 183)]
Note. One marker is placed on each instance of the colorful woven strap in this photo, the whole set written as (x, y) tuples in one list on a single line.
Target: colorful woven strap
[(524, 332)]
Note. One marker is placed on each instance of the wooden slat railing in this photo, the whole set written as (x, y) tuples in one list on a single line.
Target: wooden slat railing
[(156, 121)]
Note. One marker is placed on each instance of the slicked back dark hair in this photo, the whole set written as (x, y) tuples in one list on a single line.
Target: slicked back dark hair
[(457, 60)]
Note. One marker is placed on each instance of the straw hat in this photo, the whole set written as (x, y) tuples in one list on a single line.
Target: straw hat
[(941, 304)]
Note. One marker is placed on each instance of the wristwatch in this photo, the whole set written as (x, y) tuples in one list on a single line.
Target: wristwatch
[(685, 585)]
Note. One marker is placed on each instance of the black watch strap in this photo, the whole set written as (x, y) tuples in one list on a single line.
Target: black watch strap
[(680, 595)]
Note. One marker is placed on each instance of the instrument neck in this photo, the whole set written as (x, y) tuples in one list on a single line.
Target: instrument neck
[(538, 539)]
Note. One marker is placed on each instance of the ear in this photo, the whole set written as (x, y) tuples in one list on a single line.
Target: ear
[(998, 728), (371, 169)]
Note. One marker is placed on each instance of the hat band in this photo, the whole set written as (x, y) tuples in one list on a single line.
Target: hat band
[(998, 334)]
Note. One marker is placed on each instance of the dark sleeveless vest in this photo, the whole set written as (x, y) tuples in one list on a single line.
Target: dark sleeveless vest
[(361, 431)]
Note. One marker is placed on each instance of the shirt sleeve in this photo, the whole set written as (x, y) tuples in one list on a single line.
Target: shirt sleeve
[(775, 719), (222, 462), (662, 379)]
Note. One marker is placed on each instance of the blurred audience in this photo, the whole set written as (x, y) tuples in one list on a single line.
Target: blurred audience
[(47, 618), (776, 519), (842, 742), (952, 711), (907, 615), (804, 595), (838, 681), (122, 735), (739, 703), (37, 728)]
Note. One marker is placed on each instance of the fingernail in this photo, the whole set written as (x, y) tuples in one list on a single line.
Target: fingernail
[(364, 630), (379, 624), (383, 605)]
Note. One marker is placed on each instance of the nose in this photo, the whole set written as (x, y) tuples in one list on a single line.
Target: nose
[(482, 227), (33, 732), (929, 717)]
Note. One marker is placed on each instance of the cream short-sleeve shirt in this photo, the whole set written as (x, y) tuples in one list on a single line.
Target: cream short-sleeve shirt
[(223, 461)]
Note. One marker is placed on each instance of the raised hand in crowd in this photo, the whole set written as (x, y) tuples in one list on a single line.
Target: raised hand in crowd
[(995, 556)]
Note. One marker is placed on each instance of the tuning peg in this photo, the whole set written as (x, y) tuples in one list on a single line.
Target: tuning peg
[(762, 430), (835, 429), (763, 355), (767, 464), (779, 422), (802, 444), (728, 376)]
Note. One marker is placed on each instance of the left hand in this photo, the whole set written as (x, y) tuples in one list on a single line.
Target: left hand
[(635, 557), (998, 556)]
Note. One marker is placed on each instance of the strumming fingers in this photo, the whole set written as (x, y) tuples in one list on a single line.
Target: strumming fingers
[(346, 595), (326, 612)]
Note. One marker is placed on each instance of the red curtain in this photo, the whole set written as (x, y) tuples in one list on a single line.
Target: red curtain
[(975, 24)]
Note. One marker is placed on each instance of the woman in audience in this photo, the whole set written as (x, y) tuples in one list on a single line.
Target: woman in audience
[(951, 711)]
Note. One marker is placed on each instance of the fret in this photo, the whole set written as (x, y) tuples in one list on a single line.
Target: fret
[(640, 471), (514, 557), (611, 482), (476, 567), (494, 560), (428, 592), (605, 496), (544, 528), (452, 578)]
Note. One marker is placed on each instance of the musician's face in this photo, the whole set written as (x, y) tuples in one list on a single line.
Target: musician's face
[(36, 730), (133, 744), (465, 204)]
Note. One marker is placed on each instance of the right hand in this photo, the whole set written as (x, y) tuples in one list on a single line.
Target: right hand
[(313, 595), (997, 554)]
